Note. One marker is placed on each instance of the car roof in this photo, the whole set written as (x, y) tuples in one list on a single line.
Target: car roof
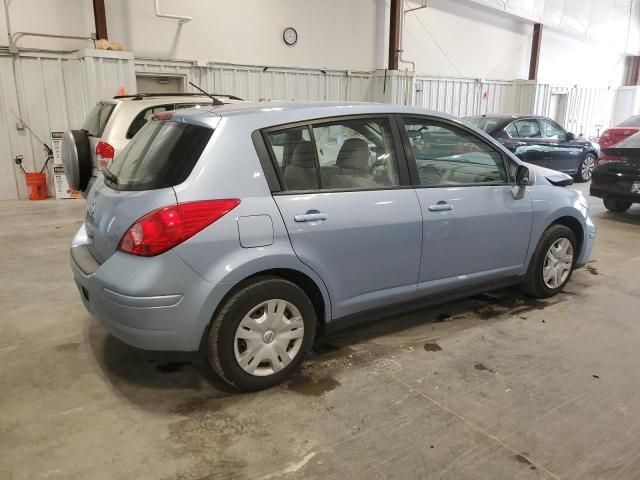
[(265, 114)]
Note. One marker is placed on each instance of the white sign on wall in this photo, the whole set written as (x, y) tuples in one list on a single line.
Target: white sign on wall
[(59, 178)]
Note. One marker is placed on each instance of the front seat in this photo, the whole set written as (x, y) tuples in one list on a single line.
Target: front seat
[(354, 155), (353, 162), (301, 174)]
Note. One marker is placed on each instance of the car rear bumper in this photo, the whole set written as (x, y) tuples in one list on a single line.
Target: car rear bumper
[(153, 303), (621, 191)]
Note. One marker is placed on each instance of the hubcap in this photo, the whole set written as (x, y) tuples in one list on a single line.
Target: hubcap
[(269, 337), (557, 263), (587, 167)]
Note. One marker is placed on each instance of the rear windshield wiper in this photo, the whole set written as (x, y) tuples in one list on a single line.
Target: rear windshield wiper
[(110, 176)]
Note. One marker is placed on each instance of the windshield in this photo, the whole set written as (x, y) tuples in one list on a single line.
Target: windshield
[(161, 155), (631, 122), (630, 142), (97, 120)]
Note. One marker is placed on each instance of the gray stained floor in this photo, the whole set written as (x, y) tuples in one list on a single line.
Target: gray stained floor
[(494, 387)]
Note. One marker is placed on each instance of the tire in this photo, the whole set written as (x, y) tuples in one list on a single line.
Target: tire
[(535, 284), (617, 206), (77, 159), (225, 350), (585, 170)]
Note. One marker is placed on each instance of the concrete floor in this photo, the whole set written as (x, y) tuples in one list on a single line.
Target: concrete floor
[(494, 387)]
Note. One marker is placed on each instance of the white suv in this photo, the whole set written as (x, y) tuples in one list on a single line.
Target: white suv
[(112, 123)]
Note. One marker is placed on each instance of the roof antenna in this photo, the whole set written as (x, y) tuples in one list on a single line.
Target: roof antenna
[(215, 100)]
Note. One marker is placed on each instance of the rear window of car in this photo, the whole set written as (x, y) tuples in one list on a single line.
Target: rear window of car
[(97, 119), (631, 122), (630, 142), (483, 123), (161, 155)]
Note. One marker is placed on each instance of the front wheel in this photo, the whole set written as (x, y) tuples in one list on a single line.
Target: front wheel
[(261, 334), (552, 262), (617, 206), (585, 171)]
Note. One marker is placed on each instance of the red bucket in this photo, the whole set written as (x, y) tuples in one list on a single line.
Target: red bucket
[(37, 185)]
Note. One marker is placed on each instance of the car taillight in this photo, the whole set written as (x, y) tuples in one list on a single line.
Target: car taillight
[(167, 227), (104, 154)]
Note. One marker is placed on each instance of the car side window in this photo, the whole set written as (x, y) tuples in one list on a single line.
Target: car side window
[(551, 130), (348, 154), (143, 117), (527, 129), (447, 155), (296, 160), (511, 130)]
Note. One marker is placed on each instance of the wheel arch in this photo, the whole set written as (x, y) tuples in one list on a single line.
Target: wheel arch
[(319, 297), (575, 226)]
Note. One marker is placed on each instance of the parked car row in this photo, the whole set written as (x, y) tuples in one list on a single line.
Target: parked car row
[(541, 141)]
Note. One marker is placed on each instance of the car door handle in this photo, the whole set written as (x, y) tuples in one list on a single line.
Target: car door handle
[(310, 217), (440, 207)]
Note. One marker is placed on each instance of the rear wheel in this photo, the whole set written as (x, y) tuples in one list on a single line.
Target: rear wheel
[(552, 262), (585, 171), (261, 334), (617, 206)]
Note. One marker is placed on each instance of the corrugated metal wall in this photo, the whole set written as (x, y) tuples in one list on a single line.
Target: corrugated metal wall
[(266, 83), (50, 92), (463, 97)]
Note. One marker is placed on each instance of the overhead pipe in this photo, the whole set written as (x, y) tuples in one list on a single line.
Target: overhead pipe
[(401, 59), (14, 37), (181, 18)]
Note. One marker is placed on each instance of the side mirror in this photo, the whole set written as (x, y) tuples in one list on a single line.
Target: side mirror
[(522, 176), (570, 136)]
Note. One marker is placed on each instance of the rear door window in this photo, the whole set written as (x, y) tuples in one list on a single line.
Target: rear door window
[(97, 119), (161, 155), (353, 154)]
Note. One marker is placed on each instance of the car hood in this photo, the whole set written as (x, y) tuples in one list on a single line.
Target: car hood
[(555, 177)]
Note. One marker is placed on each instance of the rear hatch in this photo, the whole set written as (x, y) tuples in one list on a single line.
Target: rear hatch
[(141, 179)]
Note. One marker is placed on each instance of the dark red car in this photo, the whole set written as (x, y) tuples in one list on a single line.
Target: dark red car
[(616, 134)]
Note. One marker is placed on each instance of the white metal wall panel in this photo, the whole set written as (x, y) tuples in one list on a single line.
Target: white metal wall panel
[(464, 97), (56, 92)]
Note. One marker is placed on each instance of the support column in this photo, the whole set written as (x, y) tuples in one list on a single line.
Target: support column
[(394, 34), (535, 51), (100, 18)]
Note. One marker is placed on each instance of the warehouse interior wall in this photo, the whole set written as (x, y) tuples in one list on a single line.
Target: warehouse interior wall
[(466, 40), (331, 33)]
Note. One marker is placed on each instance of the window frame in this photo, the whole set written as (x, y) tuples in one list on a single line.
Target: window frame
[(413, 165), (275, 176)]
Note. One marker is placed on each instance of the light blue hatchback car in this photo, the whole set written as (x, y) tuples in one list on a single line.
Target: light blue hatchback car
[(244, 230)]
